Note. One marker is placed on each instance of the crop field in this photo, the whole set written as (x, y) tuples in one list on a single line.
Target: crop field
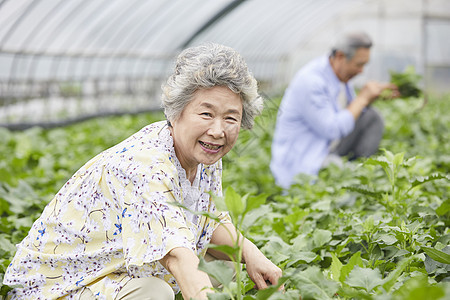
[(376, 228)]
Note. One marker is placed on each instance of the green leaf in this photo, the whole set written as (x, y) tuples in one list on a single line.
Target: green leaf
[(6, 245), (437, 255), (347, 292), (321, 237), (355, 260), (313, 284), (406, 82), (218, 296), (278, 226), (385, 163), (364, 191), (392, 278), (335, 267), (270, 290), (219, 202), (235, 204), (306, 257), (419, 288), (386, 239), (228, 250), (252, 217), (254, 202), (398, 159), (276, 250), (423, 179), (369, 224), (296, 217), (389, 155), (365, 278), (444, 208), (218, 270)]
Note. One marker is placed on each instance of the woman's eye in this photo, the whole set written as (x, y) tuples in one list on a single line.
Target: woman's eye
[(206, 114), (232, 119)]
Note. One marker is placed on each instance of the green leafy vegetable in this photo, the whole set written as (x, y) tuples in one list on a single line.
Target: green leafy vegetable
[(407, 82)]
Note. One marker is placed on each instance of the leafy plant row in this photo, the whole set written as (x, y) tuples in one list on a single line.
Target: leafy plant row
[(375, 229)]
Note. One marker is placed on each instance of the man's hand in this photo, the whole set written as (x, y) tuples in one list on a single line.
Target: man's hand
[(368, 94), (372, 90)]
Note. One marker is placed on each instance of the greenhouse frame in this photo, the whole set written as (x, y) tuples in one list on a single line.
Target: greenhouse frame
[(62, 61), (333, 166)]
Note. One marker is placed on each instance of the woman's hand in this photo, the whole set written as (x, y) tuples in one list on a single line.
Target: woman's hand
[(260, 269)]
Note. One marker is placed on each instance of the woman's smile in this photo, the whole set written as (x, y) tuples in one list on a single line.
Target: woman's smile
[(210, 147)]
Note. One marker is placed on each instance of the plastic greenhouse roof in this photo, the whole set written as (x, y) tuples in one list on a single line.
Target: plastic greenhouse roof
[(64, 60), (76, 39)]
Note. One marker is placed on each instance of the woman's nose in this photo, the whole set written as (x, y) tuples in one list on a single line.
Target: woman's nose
[(216, 129)]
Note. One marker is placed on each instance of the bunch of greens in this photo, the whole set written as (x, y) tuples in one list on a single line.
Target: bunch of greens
[(407, 82)]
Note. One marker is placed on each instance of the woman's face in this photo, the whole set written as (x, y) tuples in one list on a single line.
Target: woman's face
[(208, 127)]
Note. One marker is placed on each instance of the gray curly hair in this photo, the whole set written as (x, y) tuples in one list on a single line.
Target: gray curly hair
[(207, 66)]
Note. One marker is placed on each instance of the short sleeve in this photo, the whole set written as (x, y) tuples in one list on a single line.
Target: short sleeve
[(224, 218), (151, 226)]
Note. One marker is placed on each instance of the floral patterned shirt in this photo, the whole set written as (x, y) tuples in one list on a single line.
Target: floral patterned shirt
[(113, 221)]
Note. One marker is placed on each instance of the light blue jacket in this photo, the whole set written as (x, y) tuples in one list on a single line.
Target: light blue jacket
[(308, 120)]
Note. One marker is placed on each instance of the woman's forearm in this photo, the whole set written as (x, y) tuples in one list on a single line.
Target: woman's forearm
[(226, 234), (182, 263)]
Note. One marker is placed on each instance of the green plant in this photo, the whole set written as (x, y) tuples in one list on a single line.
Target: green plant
[(407, 82), (238, 207)]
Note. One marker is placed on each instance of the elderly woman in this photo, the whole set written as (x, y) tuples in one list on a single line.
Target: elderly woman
[(111, 232)]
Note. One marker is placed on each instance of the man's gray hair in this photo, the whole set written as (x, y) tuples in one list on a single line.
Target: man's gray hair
[(350, 42), (207, 66)]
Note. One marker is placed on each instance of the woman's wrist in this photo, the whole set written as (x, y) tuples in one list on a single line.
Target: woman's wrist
[(248, 250)]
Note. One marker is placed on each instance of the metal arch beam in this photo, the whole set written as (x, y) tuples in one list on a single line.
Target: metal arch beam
[(2, 2), (164, 8), (107, 28), (111, 64), (308, 22), (130, 53), (29, 38), (55, 65), (135, 32), (98, 54), (219, 15), (17, 22), (57, 31)]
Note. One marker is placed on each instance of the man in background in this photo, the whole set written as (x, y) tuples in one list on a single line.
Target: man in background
[(321, 118)]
